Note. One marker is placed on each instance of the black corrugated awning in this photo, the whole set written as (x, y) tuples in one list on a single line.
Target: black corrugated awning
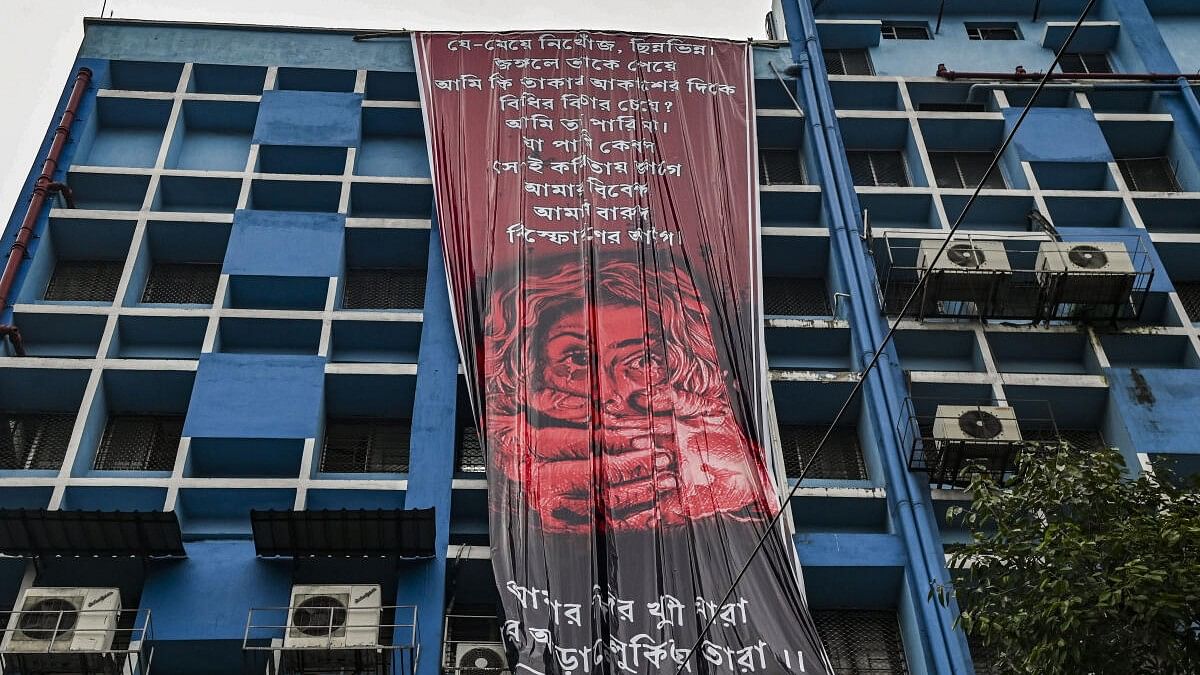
[(39, 532), (406, 533)]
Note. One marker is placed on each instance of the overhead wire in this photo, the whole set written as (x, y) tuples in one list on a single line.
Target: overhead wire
[(770, 529)]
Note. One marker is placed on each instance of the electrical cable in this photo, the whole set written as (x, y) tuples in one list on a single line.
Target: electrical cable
[(774, 522)]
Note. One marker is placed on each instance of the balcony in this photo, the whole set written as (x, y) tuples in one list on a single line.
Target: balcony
[(53, 635), (312, 639)]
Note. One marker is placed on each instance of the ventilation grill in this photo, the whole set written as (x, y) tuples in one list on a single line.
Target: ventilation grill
[(862, 642), (471, 457), (878, 168), (366, 446), (794, 296), (85, 280), (780, 166), (840, 459), (1149, 174), (847, 62), (965, 170), (1085, 63), (384, 288), (1189, 295), (182, 283), (139, 443), (34, 440)]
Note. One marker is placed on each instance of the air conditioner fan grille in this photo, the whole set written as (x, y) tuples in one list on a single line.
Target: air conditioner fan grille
[(965, 255), (319, 616), (48, 619), (1088, 257), (980, 424)]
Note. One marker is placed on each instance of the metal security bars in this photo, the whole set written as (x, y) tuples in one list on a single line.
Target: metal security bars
[(278, 645), (366, 445), (182, 283), (878, 168), (905, 31), (84, 281), (1149, 174), (841, 458), (1084, 63), (862, 641), (139, 443), (964, 170), (471, 455), (56, 636), (1189, 295), (992, 33), (384, 288), (780, 166), (34, 440), (847, 62), (795, 296)]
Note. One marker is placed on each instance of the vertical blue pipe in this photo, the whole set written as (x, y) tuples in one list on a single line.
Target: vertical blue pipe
[(431, 462)]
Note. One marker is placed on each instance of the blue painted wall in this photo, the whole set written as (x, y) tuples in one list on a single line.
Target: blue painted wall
[(309, 118), (256, 396), (285, 244), (1058, 135), (1158, 408)]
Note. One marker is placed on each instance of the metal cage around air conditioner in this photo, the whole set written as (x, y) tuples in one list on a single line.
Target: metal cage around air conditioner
[(272, 644), (53, 630), (471, 645)]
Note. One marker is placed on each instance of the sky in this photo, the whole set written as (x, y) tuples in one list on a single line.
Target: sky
[(39, 39)]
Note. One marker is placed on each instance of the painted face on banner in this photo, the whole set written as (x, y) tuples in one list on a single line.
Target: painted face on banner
[(635, 368)]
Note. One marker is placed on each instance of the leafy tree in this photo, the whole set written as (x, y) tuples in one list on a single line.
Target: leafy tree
[(1075, 568)]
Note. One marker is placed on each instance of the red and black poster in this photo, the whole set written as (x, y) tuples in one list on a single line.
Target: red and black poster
[(596, 194)]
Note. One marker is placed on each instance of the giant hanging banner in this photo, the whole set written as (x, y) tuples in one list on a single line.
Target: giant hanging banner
[(596, 194)]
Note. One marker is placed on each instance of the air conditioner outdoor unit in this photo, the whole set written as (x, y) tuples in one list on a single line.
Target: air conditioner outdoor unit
[(1086, 272), (333, 617), (51, 620), (972, 424), (479, 659), (968, 270)]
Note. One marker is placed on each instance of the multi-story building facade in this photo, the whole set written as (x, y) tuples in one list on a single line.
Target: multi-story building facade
[(236, 364)]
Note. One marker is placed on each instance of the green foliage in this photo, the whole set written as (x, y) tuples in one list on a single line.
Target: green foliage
[(1075, 568)]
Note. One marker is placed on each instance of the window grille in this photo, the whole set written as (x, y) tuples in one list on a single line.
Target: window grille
[(139, 443), (841, 458), (34, 440), (1084, 63), (1080, 439), (992, 33), (965, 170), (384, 288), (879, 168), (85, 280), (780, 166), (935, 106), (1149, 174), (795, 296), (847, 62), (471, 455), (366, 445), (1189, 295), (182, 283), (861, 641), (905, 31)]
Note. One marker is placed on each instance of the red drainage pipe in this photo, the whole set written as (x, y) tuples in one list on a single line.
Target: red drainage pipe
[(41, 190), (1022, 75)]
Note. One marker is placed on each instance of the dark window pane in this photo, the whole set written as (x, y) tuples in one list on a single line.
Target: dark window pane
[(860, 167), (384, 288), (888, 168), (1097, 63), (1150, 174), (992, 33), (182, 283), (34, 440), (905, 32), (1072, 63), (85, 280), (841, 458), (847, 62), (139, 443), (964, 169), (366, 446), (1085, 63), (862, 642), (1189, 295), (780, 166), (795, 296)]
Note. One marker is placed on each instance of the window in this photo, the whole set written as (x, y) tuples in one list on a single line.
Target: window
[(862, 641), (847, 62), (384, 288), (1092, 62), (1149, 174), (471, 455), (795, 296), (1189, 295), (85, 280), (841, 458), (992, 32), (780, 166), (905, 31), (366, 445), (34, 440), (139, 443), (965, 170), (182, 283), (878, 168)]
